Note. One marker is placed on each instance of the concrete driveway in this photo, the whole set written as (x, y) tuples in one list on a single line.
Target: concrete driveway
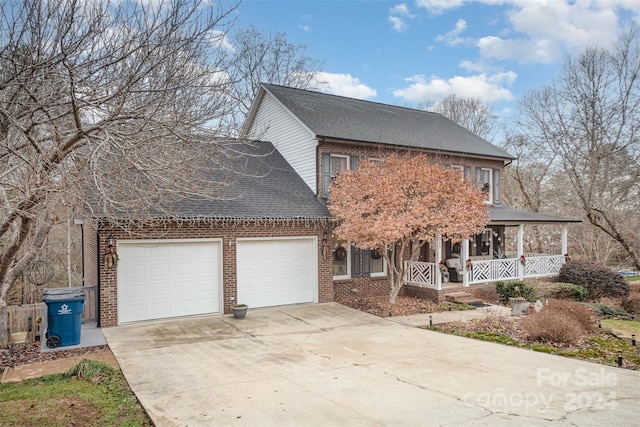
[(329, 365)]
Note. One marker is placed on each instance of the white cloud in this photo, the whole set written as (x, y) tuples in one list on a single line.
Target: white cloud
[(397, 23), (489, 88), (543, 31), (523, 50), (451, 38), (346, 85), (439, 6), (398, 16), (401, 9), (220, 38)]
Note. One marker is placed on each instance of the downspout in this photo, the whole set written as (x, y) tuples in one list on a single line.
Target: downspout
[(99, 275)]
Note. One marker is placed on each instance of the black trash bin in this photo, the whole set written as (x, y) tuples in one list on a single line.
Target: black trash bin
[(64, 316)]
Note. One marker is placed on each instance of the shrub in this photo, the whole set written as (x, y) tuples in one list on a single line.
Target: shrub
[(599, 281), (632, 305), (552, 326), (582, 313), (568, 291), (606, 310), (508, 290), (632, 302)]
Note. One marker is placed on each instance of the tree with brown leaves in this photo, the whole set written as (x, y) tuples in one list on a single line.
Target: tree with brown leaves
[(401, 200)]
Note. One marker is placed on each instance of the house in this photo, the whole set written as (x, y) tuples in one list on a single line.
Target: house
[(320, 135), (271, 243)]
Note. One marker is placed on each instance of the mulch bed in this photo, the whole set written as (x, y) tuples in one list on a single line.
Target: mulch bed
[(404, 306)]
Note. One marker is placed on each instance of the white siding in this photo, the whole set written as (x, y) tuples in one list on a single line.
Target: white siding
[(292, 139)]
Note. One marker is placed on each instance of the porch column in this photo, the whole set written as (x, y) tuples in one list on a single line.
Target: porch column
[(565, 234), (438, 259), (464, 256), (520, 250)]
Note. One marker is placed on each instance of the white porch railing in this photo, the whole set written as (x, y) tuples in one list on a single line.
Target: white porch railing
[(421, 273), (492, 270), (543, 265)]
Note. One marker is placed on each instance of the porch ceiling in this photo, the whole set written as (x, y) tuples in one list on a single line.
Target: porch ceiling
[(502, 215)]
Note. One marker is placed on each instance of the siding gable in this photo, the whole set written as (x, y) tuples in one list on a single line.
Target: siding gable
[(297, 144)]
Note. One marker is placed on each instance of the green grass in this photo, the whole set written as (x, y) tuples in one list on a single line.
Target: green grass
[(90, 394), (622, 327)]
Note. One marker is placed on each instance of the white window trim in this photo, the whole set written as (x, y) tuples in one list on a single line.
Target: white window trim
[(383, 273), (342, 156), (490, 194), (348, 275)]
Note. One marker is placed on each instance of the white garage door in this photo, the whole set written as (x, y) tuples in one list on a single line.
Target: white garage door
[(164, 279), (277, 271)]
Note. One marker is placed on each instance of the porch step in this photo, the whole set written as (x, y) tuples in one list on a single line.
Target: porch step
[(462, 297)]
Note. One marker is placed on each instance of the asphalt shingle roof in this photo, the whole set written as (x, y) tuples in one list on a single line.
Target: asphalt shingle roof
[(266, 187), (344, 118), (269, 188)]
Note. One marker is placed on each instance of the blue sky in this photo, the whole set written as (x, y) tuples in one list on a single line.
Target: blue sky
[(417, 52)]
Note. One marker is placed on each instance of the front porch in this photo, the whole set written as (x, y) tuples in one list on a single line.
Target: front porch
[(489, 260), (485, 271)]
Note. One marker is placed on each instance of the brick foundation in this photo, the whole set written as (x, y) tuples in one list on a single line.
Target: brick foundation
[(431, 294)]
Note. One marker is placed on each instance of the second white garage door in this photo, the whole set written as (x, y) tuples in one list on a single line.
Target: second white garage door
[(277, 271), (162, 279)]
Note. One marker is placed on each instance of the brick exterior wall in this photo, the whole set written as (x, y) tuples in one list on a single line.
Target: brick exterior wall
[(228, 233), (370, 151), (362, 287)]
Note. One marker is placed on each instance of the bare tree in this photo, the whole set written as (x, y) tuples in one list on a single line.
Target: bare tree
[(266, 58), (470, 113), (121, 104), (589, 118)]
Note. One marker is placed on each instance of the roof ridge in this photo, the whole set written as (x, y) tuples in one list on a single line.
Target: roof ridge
[(350, 98)]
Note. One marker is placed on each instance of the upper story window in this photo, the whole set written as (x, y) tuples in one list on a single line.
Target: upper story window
[(459, 169), (486, 183), (332, 165), (338, 164)]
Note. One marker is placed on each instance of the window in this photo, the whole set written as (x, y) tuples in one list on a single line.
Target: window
[(341, 258), (378, 265), (485, 180), (338, 164), (458, 168), (349, 262), (332, 165)]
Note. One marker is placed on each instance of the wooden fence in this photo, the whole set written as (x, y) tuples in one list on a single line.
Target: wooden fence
[(17, 319)]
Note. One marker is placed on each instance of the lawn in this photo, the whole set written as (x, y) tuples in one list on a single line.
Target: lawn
[(90, 394), (622, 327)]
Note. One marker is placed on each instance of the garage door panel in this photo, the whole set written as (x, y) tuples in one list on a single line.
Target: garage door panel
[(276, 272), (168, 279)]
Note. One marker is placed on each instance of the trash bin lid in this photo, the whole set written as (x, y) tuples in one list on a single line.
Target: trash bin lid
[(63, 298), (62, 291)]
